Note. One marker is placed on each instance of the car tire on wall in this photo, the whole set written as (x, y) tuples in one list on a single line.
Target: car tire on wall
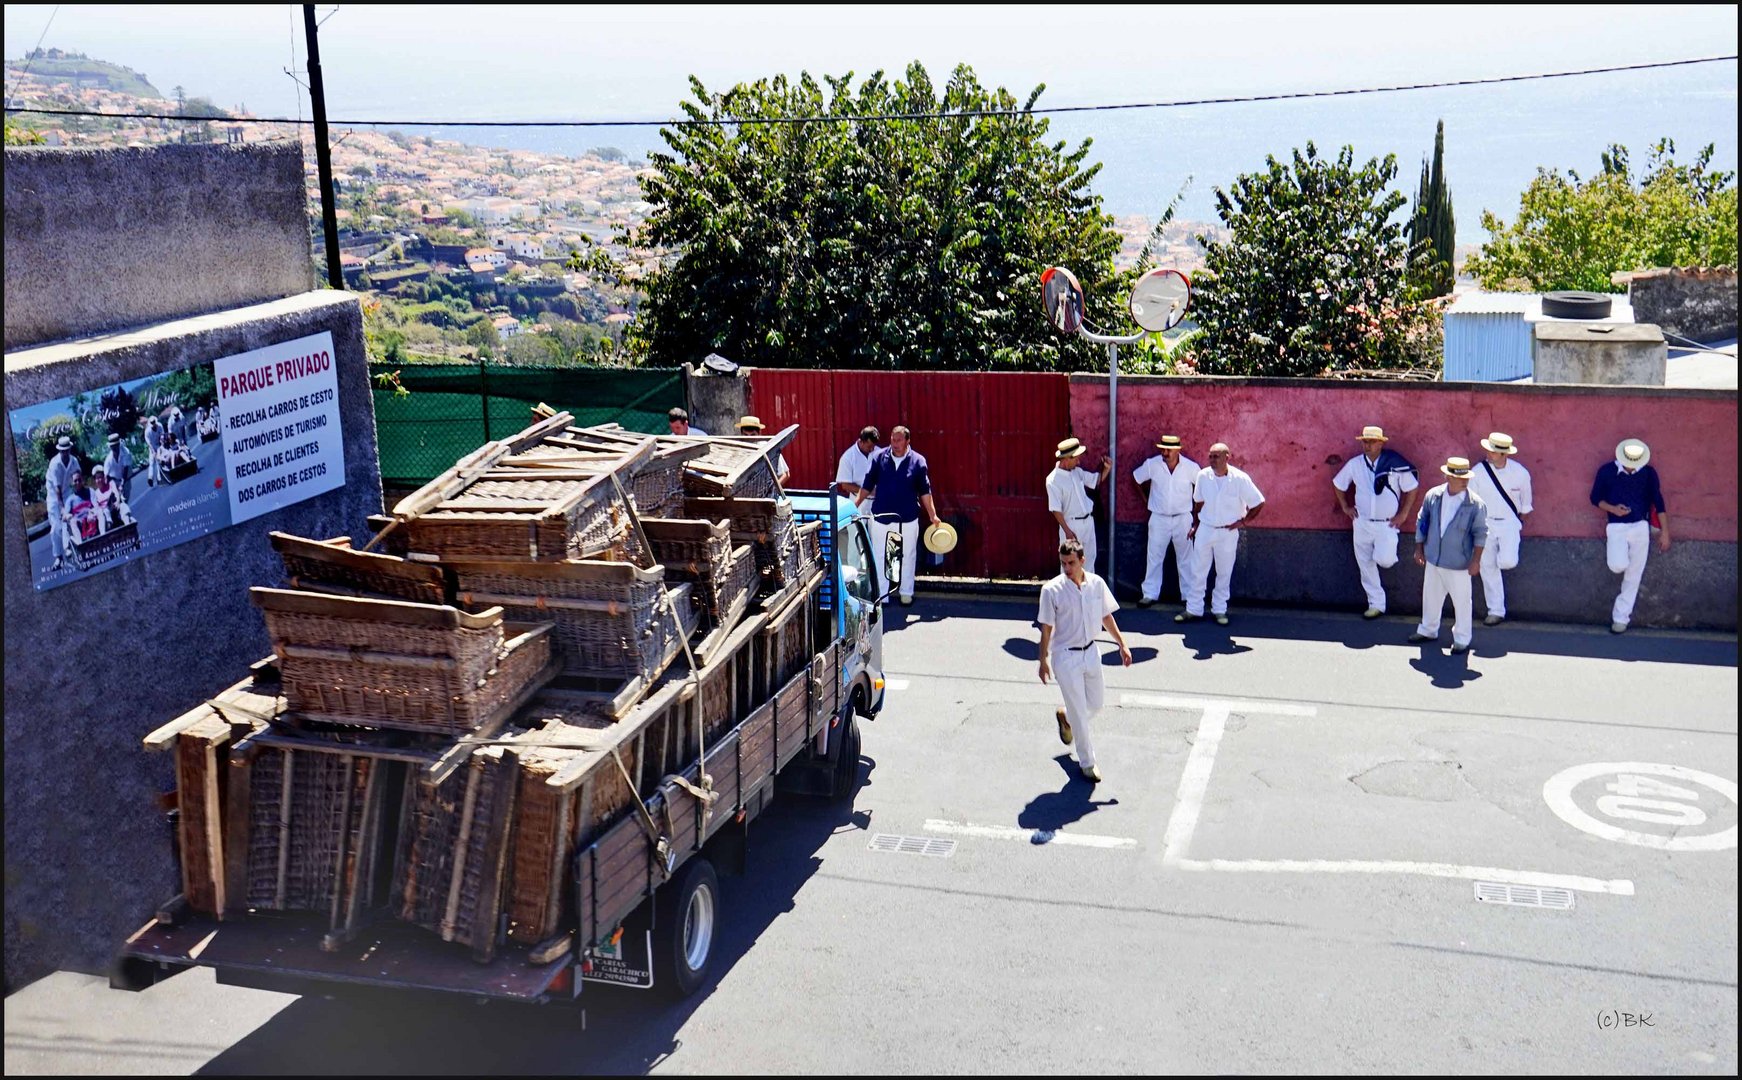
[(1577, 305)]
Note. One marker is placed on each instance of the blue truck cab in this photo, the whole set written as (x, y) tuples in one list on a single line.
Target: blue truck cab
[(857, 588)]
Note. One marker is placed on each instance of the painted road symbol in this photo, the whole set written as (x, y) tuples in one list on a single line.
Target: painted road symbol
[(1644, 792)]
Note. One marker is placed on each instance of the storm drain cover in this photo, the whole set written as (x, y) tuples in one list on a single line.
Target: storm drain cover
[(914, 845), (1524, 895)]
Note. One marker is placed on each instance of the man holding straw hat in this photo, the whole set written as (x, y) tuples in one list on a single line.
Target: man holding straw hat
[(1067, 496), (1450, 533)]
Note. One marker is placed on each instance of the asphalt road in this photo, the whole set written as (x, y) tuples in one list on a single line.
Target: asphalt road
[(1278, 875)]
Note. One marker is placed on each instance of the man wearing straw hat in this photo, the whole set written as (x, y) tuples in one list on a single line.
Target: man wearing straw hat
[(1450, 533), (1067, 496), (1628, 491), (1383, 481), (1074, 608), (1170, 476), (118, 466), (1503, 485), (751, 425), (57, 481)]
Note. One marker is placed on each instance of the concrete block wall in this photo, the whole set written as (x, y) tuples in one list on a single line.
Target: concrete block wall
[(102, 239), (95, 665)]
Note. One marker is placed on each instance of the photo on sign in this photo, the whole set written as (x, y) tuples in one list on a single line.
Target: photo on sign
[(119, 471)]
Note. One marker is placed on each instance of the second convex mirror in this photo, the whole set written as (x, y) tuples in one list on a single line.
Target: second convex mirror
[(1062, 297), (1159, 299)]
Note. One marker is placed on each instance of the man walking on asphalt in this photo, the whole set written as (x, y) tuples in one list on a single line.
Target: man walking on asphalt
[(1628, 491), (898, 483), (1503, 485), (1067, 496), (1170, 477), (1073, 608), (1383, 480), (1450, 533), (1224, 501)]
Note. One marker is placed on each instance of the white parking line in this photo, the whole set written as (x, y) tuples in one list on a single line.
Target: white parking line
[(1227, 705), (1618, 887), (1028, 836), (1193, 783)]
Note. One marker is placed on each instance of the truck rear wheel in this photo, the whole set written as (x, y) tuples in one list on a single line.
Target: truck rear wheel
[(688, 919)]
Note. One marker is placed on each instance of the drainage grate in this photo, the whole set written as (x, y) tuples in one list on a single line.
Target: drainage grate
[(914, 845), (1491, 892)]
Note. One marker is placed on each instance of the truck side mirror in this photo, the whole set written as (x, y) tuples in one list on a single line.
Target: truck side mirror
[(892, 562)]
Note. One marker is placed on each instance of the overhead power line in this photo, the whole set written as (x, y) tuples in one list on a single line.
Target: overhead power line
[(966, 114)]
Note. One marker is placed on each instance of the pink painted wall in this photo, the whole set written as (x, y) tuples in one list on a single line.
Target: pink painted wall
[(1292, 435)]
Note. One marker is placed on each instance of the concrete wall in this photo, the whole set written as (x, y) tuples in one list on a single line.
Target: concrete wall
[(93, 666), (102, 239), (1694, 302), (1293, 435), (1606, 354), (717, 401)]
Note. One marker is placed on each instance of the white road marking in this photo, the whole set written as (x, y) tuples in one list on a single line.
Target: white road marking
[(1618, 887), (1558, 793), (895, 684), (1028, 836), (1227, 705), (1193, 783)]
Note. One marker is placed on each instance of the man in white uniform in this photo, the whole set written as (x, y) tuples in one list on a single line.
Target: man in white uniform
[(1384, 483), (153, 446), (1067, 496), (1170, 477), (57, 480), (1503, 485), (856, 461), (1224, 501), (1073, 608), (118, 467)]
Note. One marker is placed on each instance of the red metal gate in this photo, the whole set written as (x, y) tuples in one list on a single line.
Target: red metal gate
[(987, 436)]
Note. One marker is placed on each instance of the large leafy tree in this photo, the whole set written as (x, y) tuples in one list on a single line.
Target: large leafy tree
[(1573, 233), (824, 240), (1312, 276)]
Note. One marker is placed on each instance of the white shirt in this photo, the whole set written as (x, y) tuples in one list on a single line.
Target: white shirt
[(1169, 493), (58, 474), (1514, 478), (1359, 472), (694, 430), (853, 466), (1074, 612), (1066, 492), (1449, 504), (1226, 498)]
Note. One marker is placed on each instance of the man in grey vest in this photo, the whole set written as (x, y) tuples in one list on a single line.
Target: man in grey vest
[(1450, 532)]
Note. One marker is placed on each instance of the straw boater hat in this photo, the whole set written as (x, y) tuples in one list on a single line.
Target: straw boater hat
[(1457, 468), (114, 438), (1632, 454), (940, 539), (749, 423), (1069, 448), (1372, 431), (96, 471), (1500, 443), (1169, 442), (63, 443)]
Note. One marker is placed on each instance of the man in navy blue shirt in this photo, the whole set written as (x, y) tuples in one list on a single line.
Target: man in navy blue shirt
[(898, 483), (1627, 490)]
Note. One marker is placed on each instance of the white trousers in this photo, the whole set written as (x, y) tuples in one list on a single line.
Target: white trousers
[(1166, 530), (909, 548), (1499, 553), (1215, 547), (57, 532), (1437, 582), (1079, 679), (1629, 544), (1375, 549), (154, 468), (1085, 530)]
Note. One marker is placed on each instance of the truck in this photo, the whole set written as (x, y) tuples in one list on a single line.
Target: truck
[(641, 902)]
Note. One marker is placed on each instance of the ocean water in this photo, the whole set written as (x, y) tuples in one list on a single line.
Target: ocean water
[(1497, 136)]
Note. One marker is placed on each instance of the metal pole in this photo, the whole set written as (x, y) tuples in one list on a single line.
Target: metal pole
[(1113, 476), (323, 153), (484, 392)]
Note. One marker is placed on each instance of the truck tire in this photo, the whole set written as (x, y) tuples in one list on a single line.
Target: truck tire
[(846, 771), (687, 917), (1577, 305)]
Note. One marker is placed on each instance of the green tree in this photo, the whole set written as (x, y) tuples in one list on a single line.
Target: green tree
[(1311, 278), (482, 336), (1431, 226), (1574, 233), (910, 243)]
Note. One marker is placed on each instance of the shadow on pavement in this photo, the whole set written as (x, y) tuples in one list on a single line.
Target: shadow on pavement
[(1447, 670), (1053, 810), (374, 1031)]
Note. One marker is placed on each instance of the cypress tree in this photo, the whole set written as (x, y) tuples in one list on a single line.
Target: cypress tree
[(1431, 227)]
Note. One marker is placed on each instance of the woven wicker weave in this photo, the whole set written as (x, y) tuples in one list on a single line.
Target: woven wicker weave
[(438, 828), (334, 566)]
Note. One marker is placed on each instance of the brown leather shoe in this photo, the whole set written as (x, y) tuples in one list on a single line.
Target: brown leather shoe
[(1065, 735)]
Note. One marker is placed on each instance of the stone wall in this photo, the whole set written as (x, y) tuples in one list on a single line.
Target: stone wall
[(1693, 302), (102, 239)]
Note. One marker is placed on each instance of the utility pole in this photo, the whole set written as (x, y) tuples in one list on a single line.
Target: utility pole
[(323, 152)]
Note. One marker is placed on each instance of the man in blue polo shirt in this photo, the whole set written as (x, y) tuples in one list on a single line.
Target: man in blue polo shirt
[(898, 483), (1627, 490)]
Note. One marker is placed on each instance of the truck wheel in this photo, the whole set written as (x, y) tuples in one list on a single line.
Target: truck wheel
[(846, 773), (688, 918)]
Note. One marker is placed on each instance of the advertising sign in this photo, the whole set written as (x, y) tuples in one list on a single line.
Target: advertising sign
[(120, 471)]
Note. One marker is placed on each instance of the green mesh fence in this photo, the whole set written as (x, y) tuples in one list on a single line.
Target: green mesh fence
[(452, 409)]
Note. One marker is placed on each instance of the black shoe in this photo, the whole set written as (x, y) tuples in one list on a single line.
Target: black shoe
[(1144, 601), (1416, 639)]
